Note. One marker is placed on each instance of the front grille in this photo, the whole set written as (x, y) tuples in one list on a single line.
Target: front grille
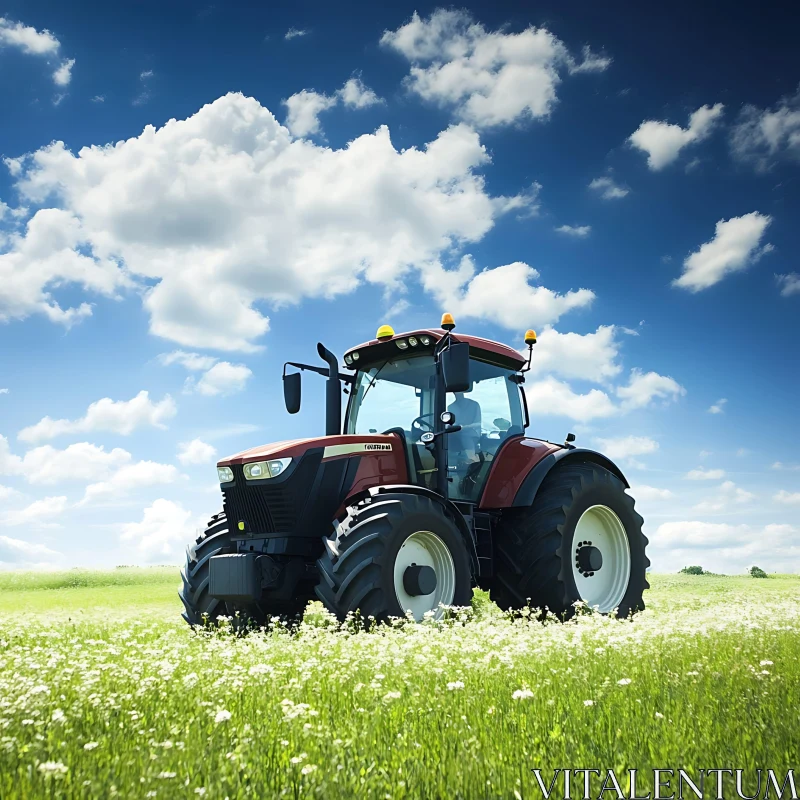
[(270, 506)]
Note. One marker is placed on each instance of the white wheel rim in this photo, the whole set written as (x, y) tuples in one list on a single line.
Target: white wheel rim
[(600, 527), (424, 548)]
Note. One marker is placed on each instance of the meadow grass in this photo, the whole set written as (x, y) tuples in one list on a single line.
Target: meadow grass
[(105, 692)]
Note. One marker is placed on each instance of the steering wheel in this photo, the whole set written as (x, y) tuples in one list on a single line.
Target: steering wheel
[(420, 425)]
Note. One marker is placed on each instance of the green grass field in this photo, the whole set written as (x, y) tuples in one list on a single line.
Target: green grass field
[(105, 692)]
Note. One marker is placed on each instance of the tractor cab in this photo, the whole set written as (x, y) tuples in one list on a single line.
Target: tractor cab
[(400, 388)]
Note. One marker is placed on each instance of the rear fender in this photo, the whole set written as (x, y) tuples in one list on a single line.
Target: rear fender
[(466, 533), (530, 486)]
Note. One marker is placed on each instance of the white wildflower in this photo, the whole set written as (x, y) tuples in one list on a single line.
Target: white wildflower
[(90, 745), (53, 769), (624, 681), (222, 716), (659, 715), (588, 702), (58, 716), (455, 685), (765, 663), (522, 694), (392, 696), (308, 769)]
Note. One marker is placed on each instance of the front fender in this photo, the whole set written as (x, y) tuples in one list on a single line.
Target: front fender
[(530, 486)]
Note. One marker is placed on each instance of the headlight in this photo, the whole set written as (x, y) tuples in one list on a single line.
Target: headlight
[(402, 344), (426, 340), (355, 356), (412, 340), (348, 360), (225, 474), (261, 470)]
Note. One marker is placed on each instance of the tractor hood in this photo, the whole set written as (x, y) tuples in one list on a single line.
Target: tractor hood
[(334, 446)]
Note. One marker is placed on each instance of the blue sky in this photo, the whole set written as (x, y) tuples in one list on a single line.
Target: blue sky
[(627, 184)]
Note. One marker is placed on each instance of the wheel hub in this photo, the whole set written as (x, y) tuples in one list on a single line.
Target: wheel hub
[(588, 558), (424, 575), (419, 580)]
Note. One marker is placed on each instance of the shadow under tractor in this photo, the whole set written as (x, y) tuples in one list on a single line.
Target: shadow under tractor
[(429, 488)]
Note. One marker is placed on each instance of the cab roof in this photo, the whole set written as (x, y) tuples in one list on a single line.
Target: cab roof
[(377, 350)]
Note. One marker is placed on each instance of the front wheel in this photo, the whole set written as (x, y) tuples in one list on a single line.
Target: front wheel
[(580, 540), (392, 554)]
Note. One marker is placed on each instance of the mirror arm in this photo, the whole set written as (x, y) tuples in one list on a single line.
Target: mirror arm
[(319, 370), (324, 371)]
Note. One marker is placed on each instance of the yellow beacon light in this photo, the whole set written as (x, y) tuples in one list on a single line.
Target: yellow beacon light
[(240, 526), (448, 323), (530, 337), (385, 332)]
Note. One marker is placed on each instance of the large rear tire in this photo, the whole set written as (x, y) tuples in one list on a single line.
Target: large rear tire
[(580, 540), (394, 553)]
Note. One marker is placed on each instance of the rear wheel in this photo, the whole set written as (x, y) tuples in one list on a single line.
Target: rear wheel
[(394, 553), (581, 540)]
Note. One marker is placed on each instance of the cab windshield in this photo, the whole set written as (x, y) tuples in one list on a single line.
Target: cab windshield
[(400, 394), (392, 395)]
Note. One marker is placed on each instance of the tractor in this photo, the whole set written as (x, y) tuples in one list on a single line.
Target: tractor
[(429, 488)]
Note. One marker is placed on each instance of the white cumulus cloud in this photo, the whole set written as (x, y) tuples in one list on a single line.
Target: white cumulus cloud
[(354, 94), (663, 141), (304, 108), (728, 493), (79, 462), (789, 284), (219, 377), (551, 397), (723, 547), (578, 231), (63, 75), (128, 479), (268, 219), (490, 78), (19, 554), (718, 407), (38, 512), (504, 295), (191, 361), (626, 447), (650, 493), (591, 356), (608, 188), (736, 245), (295, 33), (644, 388), (115, 416), (36, 43), (165, 530), (764, 136), (49, 254), (196, 452), (787, 498), (223, 379), (701, 474)]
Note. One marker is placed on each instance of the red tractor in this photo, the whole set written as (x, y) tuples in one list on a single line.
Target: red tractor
[(431, 489)]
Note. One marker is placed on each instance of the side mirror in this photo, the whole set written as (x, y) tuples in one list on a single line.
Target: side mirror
[(291, 392), (455, 367)]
